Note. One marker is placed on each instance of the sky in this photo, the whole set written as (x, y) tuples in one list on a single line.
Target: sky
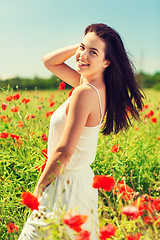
[(29, 29)]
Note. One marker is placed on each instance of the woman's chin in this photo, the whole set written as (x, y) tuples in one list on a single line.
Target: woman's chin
[(79, 70)]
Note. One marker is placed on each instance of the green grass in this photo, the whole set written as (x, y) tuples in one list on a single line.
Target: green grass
[(137, 162)]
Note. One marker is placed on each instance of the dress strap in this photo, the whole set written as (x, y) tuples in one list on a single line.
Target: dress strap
[(98, 99)]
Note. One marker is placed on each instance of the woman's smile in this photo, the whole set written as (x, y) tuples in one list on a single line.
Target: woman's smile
[(81, 63)]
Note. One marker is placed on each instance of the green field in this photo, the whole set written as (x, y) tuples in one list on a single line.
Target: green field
[(137, 162)]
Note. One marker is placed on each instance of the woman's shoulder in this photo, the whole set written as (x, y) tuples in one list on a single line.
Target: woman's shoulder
[(82, 96), (83, 90)]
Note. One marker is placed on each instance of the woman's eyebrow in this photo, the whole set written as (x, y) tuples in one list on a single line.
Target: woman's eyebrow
[(90, 48)]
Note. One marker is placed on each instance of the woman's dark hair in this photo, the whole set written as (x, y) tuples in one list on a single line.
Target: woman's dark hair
[(123, 95)]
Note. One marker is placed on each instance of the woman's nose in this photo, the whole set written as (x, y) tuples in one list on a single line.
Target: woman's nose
[(84, 54)]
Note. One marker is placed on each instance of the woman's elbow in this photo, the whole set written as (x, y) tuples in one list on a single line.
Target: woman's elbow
[(65, 153), (45, 61), (43, 58)]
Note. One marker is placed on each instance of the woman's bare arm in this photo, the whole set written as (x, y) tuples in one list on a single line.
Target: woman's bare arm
[(54, 62)]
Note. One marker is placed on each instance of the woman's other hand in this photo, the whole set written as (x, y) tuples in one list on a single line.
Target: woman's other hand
[(38, 191)]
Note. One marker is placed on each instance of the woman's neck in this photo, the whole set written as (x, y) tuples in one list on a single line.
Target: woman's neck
[(85, 80)]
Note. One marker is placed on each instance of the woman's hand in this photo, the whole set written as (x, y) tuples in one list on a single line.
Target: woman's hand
[(38, 191)]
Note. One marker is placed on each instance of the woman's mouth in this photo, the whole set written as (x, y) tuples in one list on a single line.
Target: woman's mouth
[(82, 64)]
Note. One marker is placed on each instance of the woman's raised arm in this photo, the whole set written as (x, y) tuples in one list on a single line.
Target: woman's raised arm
[(54, 62)]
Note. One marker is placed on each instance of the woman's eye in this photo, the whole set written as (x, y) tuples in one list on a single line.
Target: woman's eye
[(82, 47), (93, 52)]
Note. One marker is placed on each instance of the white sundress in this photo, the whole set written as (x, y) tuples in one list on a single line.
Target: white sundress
[(72, 188)]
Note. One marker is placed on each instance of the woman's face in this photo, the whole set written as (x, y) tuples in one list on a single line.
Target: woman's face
[(90, 56)]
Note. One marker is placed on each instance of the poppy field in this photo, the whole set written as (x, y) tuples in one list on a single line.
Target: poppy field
[(126, 168)]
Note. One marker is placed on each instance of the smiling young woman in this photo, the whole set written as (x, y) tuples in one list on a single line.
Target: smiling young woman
[(105, 88)]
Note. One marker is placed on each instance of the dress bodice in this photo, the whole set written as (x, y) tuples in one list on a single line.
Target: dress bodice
[(85, 150)]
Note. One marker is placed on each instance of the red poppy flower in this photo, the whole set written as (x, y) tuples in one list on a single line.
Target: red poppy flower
[(25, 100), (154, 120), (29, 200), (15, 108), (116, 148), (74, 221), (48, 114), (14, 136), (3, 118), (146, 106), (4, 135), (150, 220), (20, 124), (11, 228), (128, 112), (19, 143), (39, 107), (83, 235), (41, 169), (158, 137), (130, 211), (44, 137), (16, 96), (151, 113), (50, 99), (135, 237), (128, 109), (44, 152), (4, 106), (70, 93), (30, 116), (148, 115), (62, 86), (51, 104), (155, 202), (9, 98), (103, 181), (147, 203), (140, 203), (107, 231), (124, 190)]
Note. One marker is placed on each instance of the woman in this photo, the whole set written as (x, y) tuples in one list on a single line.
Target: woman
[(104, 85)]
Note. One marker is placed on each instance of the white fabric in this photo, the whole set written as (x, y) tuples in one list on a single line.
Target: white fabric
[(99, 98), (72, 189)]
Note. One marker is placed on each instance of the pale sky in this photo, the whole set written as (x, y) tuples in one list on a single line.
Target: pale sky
[(29, 29)]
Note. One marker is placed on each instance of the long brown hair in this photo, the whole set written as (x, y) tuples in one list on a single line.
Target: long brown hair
[(124, 95)]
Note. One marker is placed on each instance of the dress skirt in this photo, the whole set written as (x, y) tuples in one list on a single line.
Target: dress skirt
[(70, 191)]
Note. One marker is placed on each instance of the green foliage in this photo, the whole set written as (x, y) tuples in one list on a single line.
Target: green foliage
[(149, 81), (145, 80), (31, 84)]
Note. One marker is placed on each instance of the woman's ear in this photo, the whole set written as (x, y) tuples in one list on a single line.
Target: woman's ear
[(107, 63)]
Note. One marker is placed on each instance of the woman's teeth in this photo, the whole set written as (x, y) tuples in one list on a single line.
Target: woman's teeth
[(82, 63)]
